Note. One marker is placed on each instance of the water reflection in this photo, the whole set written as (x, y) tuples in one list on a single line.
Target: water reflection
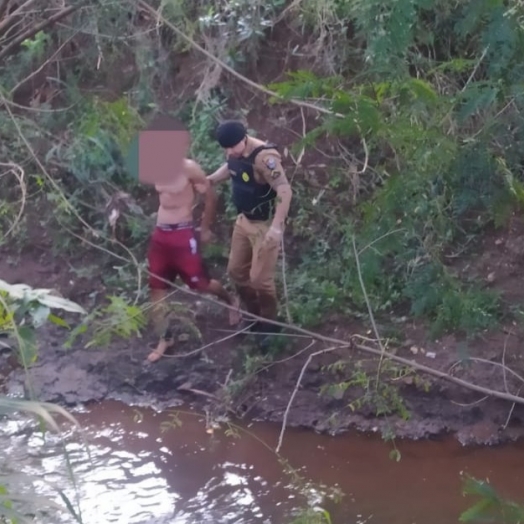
[(128, 475), (135, 473)]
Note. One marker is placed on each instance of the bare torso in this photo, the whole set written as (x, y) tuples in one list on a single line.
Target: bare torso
[(176, 201)]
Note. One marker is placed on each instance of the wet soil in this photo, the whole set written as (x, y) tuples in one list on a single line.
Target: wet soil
[(217, 379)]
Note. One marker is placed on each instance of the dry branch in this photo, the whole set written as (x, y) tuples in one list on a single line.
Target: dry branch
[(4, 4), (144, 5), (19, 173), (295, 391), (48, 61), (33, 30), (4, 24)]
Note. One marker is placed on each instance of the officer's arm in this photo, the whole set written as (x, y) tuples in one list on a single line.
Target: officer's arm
[(271, 168), (202, 185), (220, 175)]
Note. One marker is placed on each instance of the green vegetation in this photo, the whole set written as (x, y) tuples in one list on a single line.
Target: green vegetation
[(23, 311), (490, 506), (437, 101), (414, 155), (433, 90)]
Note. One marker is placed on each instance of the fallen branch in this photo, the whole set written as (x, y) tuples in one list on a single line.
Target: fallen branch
[(4, 24), (443, 375)]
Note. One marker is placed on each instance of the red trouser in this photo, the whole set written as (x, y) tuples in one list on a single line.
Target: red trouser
[(174, 251)]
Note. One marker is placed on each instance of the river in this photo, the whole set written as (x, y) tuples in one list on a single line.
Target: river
[(148, 467)]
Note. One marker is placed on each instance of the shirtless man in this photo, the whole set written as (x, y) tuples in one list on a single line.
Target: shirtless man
[(174, 249)]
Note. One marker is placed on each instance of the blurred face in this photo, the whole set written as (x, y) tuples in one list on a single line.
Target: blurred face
[(237, 150)]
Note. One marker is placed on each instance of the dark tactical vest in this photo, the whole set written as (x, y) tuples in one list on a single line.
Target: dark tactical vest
[(254, 200)]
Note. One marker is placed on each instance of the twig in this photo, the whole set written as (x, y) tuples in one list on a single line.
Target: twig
[(475, 69), (5, 24), (229, 69), (211, 344), (366, 158), (52, 57), (366, 298), (68, 203), (38, 27), (291, 357), (370, 310), (471, 403), (380, 238), (19, 174), (4, 4), (198, 392), (504, 362), (298, 160), (293, 395), (498, 364), (226, 382), (37, 109), (505, 378), (441, 374), (293, 5), (511, 411)]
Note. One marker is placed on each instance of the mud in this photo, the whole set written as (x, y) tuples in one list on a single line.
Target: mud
[(215, 380)]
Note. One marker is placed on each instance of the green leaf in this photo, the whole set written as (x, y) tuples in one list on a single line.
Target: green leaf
[(395, 455), (40, 315), (45, 297), (423, 90), (27, 345), (58, 321)]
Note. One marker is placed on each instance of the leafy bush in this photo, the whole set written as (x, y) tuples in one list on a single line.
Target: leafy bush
[(443, 159)]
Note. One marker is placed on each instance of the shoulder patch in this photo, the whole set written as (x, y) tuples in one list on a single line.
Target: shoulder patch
[(271, 162)]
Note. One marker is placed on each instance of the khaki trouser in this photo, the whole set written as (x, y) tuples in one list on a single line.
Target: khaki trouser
[(252, 267)]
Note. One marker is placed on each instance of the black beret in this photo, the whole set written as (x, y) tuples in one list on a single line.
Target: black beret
[(230, 133)]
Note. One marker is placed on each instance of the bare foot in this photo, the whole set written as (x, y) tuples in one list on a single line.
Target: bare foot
[(157, 353), (234, 314)]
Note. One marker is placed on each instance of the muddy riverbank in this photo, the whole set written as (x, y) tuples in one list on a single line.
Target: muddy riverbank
[(215, 380), (227, 378)]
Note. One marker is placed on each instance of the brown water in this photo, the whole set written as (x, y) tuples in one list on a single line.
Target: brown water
[(145, 469)]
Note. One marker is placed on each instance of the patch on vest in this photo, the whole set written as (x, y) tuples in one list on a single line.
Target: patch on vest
[(271, 163), (245, 177)]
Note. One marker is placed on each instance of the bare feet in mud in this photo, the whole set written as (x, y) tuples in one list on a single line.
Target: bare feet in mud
[(160, 350), (234, 314)]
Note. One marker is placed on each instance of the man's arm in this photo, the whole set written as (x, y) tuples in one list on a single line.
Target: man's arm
[(269, 165), (202, 185), (220, 175)]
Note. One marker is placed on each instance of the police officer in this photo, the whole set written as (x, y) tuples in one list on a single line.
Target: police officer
[(262, 195)]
